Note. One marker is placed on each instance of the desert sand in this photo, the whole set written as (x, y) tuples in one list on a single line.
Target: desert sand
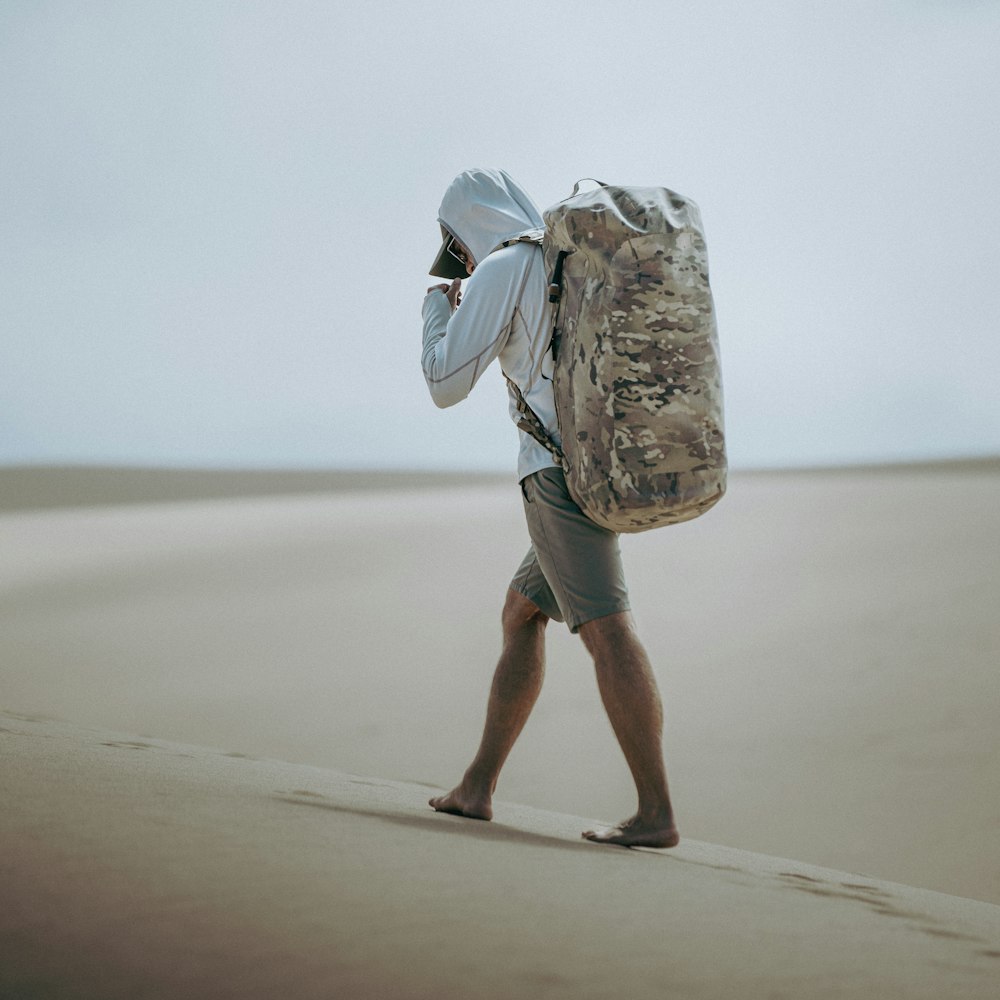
[(826, 643)]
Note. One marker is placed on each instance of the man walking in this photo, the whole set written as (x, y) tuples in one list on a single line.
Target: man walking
[(572, 572)]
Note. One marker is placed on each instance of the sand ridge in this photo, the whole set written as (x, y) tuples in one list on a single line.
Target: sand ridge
[(164, 870)]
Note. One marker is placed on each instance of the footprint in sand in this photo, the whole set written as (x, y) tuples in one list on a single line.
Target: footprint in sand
[(870, 889), (951, 935)]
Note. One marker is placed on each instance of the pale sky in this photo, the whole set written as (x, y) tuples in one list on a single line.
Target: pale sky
[(217, 217)]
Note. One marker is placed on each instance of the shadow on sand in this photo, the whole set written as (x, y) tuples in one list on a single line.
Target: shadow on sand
[(457, 825)]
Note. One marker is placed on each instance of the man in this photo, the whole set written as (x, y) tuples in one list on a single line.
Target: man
[(572, 571)]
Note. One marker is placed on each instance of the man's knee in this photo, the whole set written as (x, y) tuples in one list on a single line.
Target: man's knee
[(610, 633), (520, 613)]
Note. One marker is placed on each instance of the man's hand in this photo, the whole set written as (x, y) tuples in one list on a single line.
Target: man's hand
[(452, 291)]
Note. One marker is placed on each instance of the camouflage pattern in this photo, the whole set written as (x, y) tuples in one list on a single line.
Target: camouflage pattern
[(637, 383)]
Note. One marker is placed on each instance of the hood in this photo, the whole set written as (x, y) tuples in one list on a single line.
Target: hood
[(483, 208)]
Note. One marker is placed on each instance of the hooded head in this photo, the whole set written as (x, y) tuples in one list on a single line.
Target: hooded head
[(481, 209)]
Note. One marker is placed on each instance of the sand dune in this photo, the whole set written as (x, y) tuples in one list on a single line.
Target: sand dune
[(827, 647), (34, 487), (155, 869)]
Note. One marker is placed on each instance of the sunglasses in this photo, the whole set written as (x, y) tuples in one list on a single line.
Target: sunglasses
[(458, 252)]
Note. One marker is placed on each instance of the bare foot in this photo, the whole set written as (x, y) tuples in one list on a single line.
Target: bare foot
[(635, 832), (460, 802)]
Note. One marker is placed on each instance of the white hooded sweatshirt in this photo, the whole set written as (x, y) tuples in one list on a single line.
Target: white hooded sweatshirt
[(505, 311)]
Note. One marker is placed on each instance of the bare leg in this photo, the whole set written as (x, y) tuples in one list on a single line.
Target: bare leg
[(632, 701), (516, 685)]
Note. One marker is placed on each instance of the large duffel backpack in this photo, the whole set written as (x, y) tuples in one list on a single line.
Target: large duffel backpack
[(638, 391)]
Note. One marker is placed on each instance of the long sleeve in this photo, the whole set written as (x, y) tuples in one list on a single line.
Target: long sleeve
[(459, 346)]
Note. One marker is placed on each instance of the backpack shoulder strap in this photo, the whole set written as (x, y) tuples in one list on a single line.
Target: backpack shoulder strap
[(529, 421), (531, 236)]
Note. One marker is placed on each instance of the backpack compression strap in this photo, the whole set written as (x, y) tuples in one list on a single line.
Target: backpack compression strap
[(531, 424)]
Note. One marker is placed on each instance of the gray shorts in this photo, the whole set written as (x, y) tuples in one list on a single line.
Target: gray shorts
[(573, 570)]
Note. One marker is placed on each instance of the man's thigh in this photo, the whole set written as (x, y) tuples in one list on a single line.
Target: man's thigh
[(579, 560)]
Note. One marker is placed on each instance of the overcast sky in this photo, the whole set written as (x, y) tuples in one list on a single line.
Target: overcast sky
[(217, 217)]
